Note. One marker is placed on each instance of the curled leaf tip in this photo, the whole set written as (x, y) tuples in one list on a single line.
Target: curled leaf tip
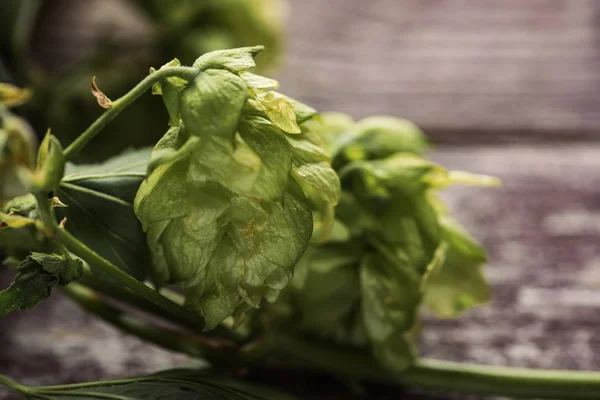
[(63, 222), (103, 100)]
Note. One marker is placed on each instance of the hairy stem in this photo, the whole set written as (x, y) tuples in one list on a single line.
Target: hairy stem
[(187, 73)]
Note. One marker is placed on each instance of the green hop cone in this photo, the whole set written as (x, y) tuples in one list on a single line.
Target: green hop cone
[(393, 246), (228, 203)]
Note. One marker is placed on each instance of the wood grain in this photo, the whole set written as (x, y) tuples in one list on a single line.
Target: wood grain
[(466, 71)]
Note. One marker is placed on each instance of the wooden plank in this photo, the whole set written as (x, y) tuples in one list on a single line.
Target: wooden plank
[(480, 70)]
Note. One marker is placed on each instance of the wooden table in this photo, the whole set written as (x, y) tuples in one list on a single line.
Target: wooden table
[(504, 87)]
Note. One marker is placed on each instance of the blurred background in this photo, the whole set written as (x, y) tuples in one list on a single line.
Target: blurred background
[(503, 87)]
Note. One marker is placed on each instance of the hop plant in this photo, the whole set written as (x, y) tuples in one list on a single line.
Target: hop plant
[(393, 246), (228, 204)]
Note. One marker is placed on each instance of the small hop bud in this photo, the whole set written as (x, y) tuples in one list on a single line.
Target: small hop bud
[(17, 143)]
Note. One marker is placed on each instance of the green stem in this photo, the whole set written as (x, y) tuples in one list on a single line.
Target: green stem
[(441, 375), (187, 73), (504, 381), (132, 299), (163, 337), (105, 268), (166, 338), (12, 385), (130, 284)]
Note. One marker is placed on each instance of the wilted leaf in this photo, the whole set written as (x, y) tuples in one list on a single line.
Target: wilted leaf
[(31, 286), (103, 100)]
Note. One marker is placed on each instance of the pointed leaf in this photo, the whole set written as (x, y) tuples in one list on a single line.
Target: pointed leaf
[(100, 209)]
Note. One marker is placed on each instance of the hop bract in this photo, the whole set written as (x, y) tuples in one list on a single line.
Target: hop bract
[(228, 204)]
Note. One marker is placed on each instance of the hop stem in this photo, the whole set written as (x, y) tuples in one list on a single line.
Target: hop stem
[(187, 73)]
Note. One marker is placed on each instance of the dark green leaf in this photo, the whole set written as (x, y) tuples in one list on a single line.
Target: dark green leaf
[(100, 209), (167, 385), (31, 286)]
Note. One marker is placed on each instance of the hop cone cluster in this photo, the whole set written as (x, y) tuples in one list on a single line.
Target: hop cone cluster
[(393, 246), (228, 204)]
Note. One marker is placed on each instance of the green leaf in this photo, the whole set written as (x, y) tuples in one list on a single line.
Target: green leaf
[(65, 269), (100, 209), (234, 60), (459, 284), (31, 286), (390, 297), (212, 103), (173, 384)]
